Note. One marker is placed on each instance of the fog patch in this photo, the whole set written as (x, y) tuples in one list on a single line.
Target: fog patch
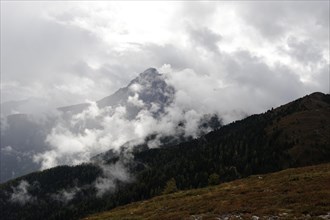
[(21, 193), (112, 175), (67, 195)]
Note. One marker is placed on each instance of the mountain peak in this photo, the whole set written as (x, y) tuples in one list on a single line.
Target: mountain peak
[(150, 72), (152, 89)]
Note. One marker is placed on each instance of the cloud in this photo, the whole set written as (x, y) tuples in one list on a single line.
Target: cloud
[(3, 124), (72, 142), (205, 38), (7, 149), (21, 193), (134, 100), (276, 19), (101, 46), (107, 182), (66, 195), (78, 137), (246, 85), (199, 13), (39, 53), (112, 174), (304, 51)]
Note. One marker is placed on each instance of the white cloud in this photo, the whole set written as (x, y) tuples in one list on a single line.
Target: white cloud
[(135, 87), (135, 100)]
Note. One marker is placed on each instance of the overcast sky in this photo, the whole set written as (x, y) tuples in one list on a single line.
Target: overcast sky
[(252, 55)]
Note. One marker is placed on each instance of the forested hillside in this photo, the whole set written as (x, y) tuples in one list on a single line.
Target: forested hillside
[(293, 135)]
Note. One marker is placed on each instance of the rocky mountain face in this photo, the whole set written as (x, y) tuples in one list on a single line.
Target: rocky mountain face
[(148, 89)]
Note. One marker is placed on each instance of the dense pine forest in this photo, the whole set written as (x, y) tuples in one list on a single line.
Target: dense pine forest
[(293, 135)]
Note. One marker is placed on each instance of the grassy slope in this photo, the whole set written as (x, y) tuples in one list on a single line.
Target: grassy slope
[(287, 194)]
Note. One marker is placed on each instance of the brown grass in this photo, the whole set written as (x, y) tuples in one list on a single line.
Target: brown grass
[(289, 194)]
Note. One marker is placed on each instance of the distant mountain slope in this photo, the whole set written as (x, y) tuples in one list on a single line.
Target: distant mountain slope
[(11, 107), (27, 106), (293, 135), (299, 193), (21, 138)]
